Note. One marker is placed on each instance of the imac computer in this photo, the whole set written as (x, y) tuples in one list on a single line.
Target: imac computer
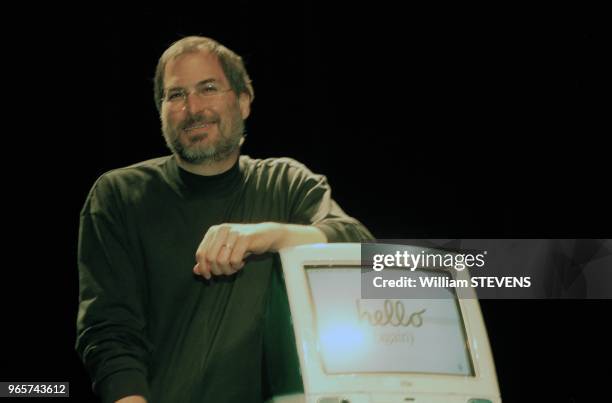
[(383, 350)]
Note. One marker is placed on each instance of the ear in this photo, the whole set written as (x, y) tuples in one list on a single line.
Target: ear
[(244, 102)]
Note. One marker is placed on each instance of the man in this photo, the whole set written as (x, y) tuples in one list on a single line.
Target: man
[(176, 255)]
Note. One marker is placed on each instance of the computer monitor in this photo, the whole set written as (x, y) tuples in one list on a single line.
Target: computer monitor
[(354, 350)]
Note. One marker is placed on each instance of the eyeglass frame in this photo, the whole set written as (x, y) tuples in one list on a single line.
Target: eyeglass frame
[(184, 92)]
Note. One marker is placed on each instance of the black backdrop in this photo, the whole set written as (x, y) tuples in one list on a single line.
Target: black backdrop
[(452, 123)]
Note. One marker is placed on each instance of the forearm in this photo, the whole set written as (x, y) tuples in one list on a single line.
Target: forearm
[(345, 229), (294, 235), (111, 323)]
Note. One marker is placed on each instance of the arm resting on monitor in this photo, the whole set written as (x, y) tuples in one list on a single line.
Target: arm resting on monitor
[(226, 246)]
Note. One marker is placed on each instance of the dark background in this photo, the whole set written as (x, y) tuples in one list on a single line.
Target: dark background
[(439, 124)]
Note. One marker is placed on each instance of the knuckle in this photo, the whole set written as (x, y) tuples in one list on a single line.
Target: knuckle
[(210, 257)]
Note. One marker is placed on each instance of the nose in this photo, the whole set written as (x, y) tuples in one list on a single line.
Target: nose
[(194, 103)]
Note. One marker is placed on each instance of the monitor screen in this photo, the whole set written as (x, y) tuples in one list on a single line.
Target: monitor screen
[(358, 335)]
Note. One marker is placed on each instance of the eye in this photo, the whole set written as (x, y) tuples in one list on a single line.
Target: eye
[(208, 88), (175, 96)]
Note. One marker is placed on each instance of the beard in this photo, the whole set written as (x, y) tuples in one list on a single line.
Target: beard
[(191, 149)]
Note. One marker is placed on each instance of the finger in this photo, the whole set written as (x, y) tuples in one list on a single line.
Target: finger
[(223, 259), (238, 254), (197, 271), (205, 270), (202, 265), (214, 247)]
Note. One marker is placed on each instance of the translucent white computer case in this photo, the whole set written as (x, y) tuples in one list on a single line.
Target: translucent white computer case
[(355, 350)]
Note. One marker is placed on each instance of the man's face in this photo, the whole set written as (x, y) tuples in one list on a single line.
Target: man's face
[(201, 128)]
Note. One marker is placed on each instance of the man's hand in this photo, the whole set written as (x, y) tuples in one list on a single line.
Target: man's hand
[(225, 246)]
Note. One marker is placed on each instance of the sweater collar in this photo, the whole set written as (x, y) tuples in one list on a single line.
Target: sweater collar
[(189, 184)]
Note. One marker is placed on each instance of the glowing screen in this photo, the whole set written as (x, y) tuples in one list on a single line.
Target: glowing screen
[(384, 335)]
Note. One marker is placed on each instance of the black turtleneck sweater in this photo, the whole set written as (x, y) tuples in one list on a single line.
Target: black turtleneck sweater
[(146, 324)]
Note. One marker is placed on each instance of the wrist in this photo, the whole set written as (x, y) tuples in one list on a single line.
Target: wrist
[(278, 233), (287, 235)]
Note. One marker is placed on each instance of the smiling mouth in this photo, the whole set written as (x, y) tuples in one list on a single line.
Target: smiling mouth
[(198, 126)]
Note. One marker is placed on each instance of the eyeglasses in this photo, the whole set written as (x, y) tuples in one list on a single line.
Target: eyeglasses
[(176, 98)]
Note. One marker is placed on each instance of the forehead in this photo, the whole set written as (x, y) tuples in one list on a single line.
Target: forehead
[(191, 68)]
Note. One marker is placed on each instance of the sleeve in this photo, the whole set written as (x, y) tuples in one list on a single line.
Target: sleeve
[(313, 204), (111, 322)]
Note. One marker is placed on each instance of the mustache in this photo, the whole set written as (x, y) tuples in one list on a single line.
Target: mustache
[(196, 119)]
